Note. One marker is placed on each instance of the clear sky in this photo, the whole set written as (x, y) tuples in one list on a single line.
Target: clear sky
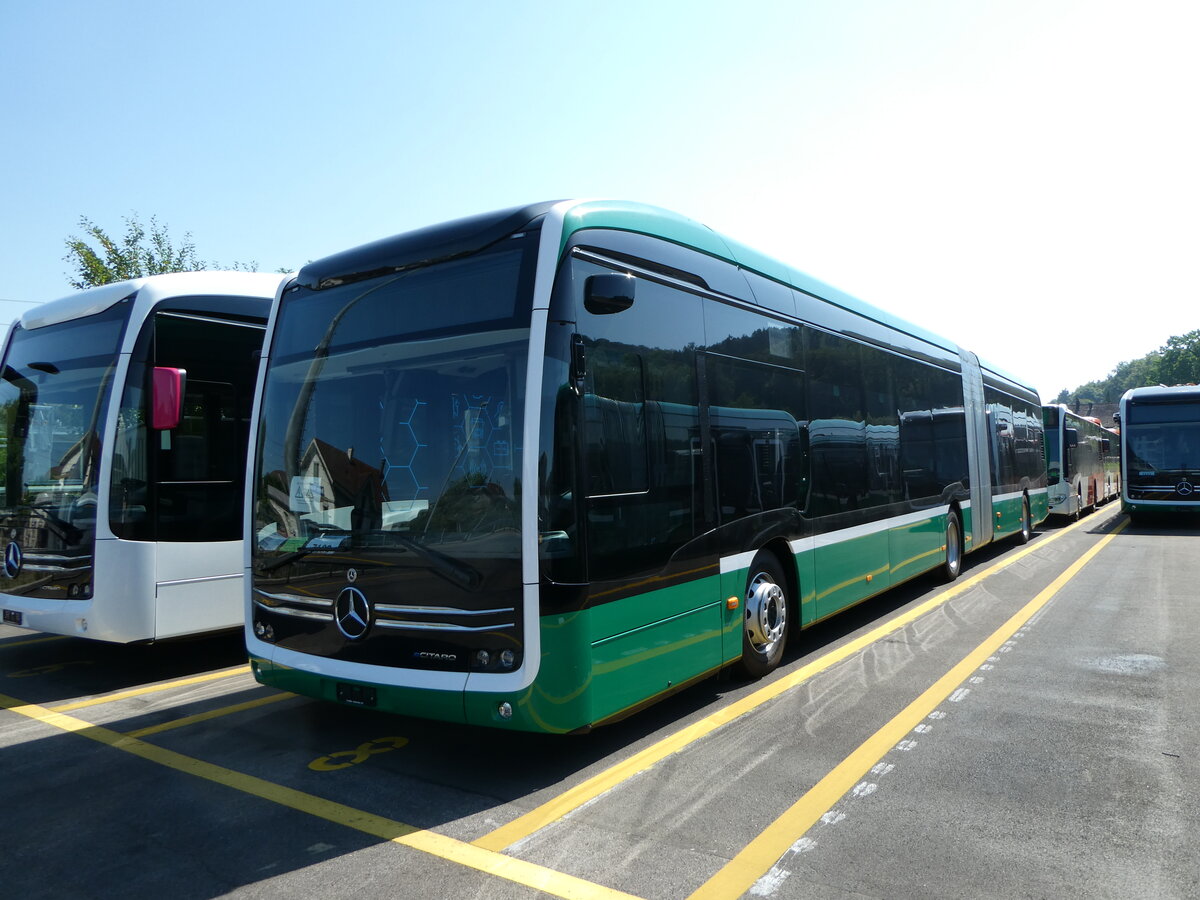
[(1018, 175)]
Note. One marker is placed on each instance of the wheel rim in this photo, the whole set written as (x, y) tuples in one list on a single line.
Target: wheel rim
[(766, 613), (953, 553)]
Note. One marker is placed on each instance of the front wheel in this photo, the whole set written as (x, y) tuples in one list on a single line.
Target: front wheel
[(952, 565), (765, 619)]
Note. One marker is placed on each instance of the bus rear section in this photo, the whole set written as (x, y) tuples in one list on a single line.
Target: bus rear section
[(1081, 462), (1160, 451), (125, 417)]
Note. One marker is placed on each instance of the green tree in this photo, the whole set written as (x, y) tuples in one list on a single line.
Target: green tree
[(1179, 359), (99, 258), (1176, 362)]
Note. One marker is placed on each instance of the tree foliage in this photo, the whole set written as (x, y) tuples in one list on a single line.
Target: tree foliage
[(99, 258), (1176, 362)]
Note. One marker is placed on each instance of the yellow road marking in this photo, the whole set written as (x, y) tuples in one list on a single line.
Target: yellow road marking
[(741, 872), (206, 716), (4, 645), (516, 870), (554, 809), (151, 689)]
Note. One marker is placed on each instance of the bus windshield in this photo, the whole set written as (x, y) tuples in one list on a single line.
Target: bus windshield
[(53, 395), (398, 436), (1164, 437)]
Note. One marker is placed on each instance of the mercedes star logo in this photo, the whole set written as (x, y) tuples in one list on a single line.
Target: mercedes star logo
[(1183, 489), (12, 559), (352, 613)]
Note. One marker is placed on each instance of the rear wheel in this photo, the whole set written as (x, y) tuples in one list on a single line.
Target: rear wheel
[(765, 619), (1026, 522), (952, 565)]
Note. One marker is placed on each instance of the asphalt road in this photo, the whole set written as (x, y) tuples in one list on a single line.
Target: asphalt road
[(1029, 731)]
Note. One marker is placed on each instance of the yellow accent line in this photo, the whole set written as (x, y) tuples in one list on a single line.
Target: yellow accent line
[(4, 645), (151, 689), (206, 716), (554, 809), (754, 860), (519, 871)]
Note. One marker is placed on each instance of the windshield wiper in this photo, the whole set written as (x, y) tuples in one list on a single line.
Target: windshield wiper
[(453, 570)]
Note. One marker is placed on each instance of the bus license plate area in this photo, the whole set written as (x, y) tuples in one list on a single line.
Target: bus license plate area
[(12, 617), (355, 694)]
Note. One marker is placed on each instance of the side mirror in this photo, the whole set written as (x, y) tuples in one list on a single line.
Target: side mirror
[(1105, 445), (166, 398), (1072, 438), (606, 294)]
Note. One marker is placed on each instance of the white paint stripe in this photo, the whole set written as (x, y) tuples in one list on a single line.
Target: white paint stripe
[(739, 561)]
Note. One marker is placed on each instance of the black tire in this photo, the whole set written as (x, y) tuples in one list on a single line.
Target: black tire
[(766, 616), (952, 564), (1025, 535)]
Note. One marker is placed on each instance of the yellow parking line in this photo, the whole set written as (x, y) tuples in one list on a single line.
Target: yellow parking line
[(206, 716), (23, 642), (529, 874), (572, 799), (741, 872), (151, 689)]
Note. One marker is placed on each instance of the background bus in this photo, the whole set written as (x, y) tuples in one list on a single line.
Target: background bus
[(546, 465), (1160, 450), (116, 526), (1081, 462)]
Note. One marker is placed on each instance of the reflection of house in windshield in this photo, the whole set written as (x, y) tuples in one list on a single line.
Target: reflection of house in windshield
[(334, 490)]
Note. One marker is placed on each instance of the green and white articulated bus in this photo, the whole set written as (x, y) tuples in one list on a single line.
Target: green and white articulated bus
[(1160, 450), (538, 468), (124, 422)]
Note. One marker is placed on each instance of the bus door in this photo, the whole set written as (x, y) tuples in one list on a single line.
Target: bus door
[(198, 471), (653, 573)]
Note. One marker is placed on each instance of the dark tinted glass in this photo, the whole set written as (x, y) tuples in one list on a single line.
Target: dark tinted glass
[(642, 428), (403, 426), (1016, 449), (54, 398), (733, 331), (838, 426), (760, 463)]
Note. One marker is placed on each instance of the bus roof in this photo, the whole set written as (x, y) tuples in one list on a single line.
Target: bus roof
[(448, 239), (651, 220), (95, 300), (1162, 392)]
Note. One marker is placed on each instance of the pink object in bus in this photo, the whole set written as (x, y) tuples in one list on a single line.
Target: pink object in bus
[(167, 400)]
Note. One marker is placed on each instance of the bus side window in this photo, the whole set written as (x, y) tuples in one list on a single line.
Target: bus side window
[(640, 430), (760, 463)]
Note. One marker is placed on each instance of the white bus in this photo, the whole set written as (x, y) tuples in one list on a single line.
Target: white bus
[(1160, 450), (124, 419), (1081, 462)]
